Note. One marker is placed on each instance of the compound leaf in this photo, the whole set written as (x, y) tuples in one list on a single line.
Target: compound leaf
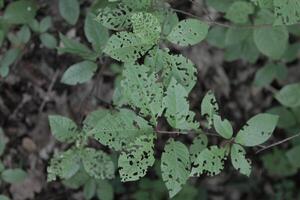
[(223, 127), (257, 130), (97, 164), (239, 160), (79, 73), (188, 32), (289, 95), (209, 107), (175, 166), (63, 129), (118, 129), (143, 91), (210, 161), (69, 10), (126, 47), (177, 108), (135, 160)]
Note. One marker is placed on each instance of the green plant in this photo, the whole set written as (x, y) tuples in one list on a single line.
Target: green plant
[(10, 176)]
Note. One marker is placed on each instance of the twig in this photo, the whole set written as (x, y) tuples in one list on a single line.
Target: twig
[(184, 132), (277, 143)]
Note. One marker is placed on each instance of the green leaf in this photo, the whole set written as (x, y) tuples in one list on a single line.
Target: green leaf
[(45, 24), (3, 141), (97, 164), (89, 189), (210, 161), (146, 26), (286, 12), (20, 12), (79, 73), (168, 20), (138, 4), (268, 73), (216, 36), (48, 40), (64, 165), (178, 113), (7, 60), (93, 118), (239, 11), (69, 10), (287, 118), (134, 162), (257, 130), (188, 32), (2, 197), (95, 32), (293, 156), (143, 91), (221, 6), (105, 190), (289, 95), (171, 67), (74, 47), (24, 34), (63, 129), (115, 18), (175, 166), (77, 180), (126, 47), (223, 127), (118, 129), (209, 107), (13, 175), (239, 160), (199, 144)]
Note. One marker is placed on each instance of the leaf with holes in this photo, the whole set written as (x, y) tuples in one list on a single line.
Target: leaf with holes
[(79, 73), (287, 12), (178, 113), (175, 166), (223, 127), (239, 160), (118, 129), (126, 47), (97, 164), (146, 26), (63, 128), (257, 130), (210, 161), (115, 18), (188, 32), (173, 66), (199, 144), (135, 160), (138, 4), (289, 95), (209, 107), (143, 91), (64, 165)]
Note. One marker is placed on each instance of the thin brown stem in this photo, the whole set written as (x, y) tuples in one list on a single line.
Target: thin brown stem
[(184, 132), (277, 143)]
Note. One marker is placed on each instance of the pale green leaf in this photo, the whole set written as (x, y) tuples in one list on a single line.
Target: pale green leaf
[(138, 157), (93, 118), (77, 180), (97, 164), (7, 60), (209, 107), (199, 144), (239, 11), (257, 130), (146, 26), (48, 40), (20, 12), (178, 113), (287, 12), (45, 24), (118, 129), (95, 32), (2, 197), (289, 95), (223, 127), (210, 161), (188, 32), (64, 165), (79, 73), (268, 73), (287, 119), (126, 47), (13, 175), (89, 189), (69, 10), (239, 161), (143, 91), (138, 4), (175, 166), (63, 129)]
